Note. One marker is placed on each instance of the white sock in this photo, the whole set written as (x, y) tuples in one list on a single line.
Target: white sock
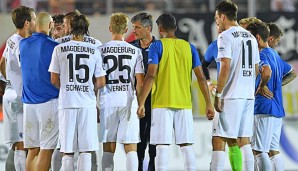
[(218, 160), (107, 161), (67, 163), (277, 162), (247, 158), (84, 162), (189, 158), (132, 161), (56, 160), (161, 159), (9, 163), (94, 161), (263, 162), (20, 160)]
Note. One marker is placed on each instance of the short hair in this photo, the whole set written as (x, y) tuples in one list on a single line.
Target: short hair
[(228, 8), (71, 14), (249, 20), (144, 18), (259, 28), (20, 15), (167, 22), (79, 25), (275, 30), (58, 18), (119, 23)]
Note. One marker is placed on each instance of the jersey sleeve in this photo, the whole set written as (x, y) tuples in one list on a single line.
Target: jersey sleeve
[(54, 65), (209, 53), (139, 64), (195, 56), (224, 47), (99, 68), (263, 60), (287, 67), (155, 52)]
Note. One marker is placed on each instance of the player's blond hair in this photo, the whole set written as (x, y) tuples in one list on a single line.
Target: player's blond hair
[(118, 23), (250, 20)]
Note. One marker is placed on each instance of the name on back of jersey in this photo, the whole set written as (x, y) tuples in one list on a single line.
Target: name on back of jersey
[(81, 88), (243, 34), (118, 88), (11, 44), (118, 49), (77, 49)]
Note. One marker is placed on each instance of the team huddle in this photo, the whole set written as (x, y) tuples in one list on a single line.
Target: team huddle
[(55, 73)]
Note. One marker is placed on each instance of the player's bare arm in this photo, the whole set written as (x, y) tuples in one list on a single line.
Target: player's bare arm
[(224, 73), (289, 77), (2, 67), (55, 80), (265, 77), (149, 79), (100, 82), (203, 86)]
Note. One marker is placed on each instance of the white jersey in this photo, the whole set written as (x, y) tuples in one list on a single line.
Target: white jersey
[(241, 47), (122, 62), (76, 62), (13, 70), (87, 39)]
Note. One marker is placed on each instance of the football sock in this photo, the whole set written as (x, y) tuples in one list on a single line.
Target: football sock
[(107, 161), (247, 158), (56, 160), (67, 163), (20, 160), (161, 159), (84, 162), (189, 158), (218, 160), (93, 161), (132, 162), (235, 158), (9, 163), (263, 162), (277, 162)]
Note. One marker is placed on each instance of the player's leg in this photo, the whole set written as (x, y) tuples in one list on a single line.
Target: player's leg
[(261, 141), (31, 135), (49, 130), (128, 134), (245, 132), (87, 136), (108, 136), (56, 159), (152, 148), (141, 147), (13, 125), (161, 135), (274, 154), (68, 137), (183, 128)]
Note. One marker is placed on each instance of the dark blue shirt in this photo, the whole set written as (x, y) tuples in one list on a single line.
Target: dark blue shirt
[(35, 57)]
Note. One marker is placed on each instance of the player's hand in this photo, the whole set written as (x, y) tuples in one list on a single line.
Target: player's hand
[(218, 104), (141, 111), (209, 112), (264, 91), (212, 88), (98, 114), (2, 87)]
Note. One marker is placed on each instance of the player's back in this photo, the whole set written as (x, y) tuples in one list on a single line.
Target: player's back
[(241, 47), (122, 61), (76, 62), (13, 71)]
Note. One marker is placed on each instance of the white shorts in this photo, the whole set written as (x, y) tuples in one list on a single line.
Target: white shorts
[(267, 130), (78, 130), (164, 120), (41, 125), (235, 120), (119, 124), (13, 117)]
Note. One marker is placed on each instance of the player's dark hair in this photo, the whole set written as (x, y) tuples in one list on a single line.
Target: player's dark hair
[(259, 28), (71, 14), (167, 22), (58, 18), (79, 25), (228, 8), (20, 15), (144, 18), (275, 30)]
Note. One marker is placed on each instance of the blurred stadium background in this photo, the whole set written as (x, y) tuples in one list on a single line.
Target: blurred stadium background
[(195, 23)]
